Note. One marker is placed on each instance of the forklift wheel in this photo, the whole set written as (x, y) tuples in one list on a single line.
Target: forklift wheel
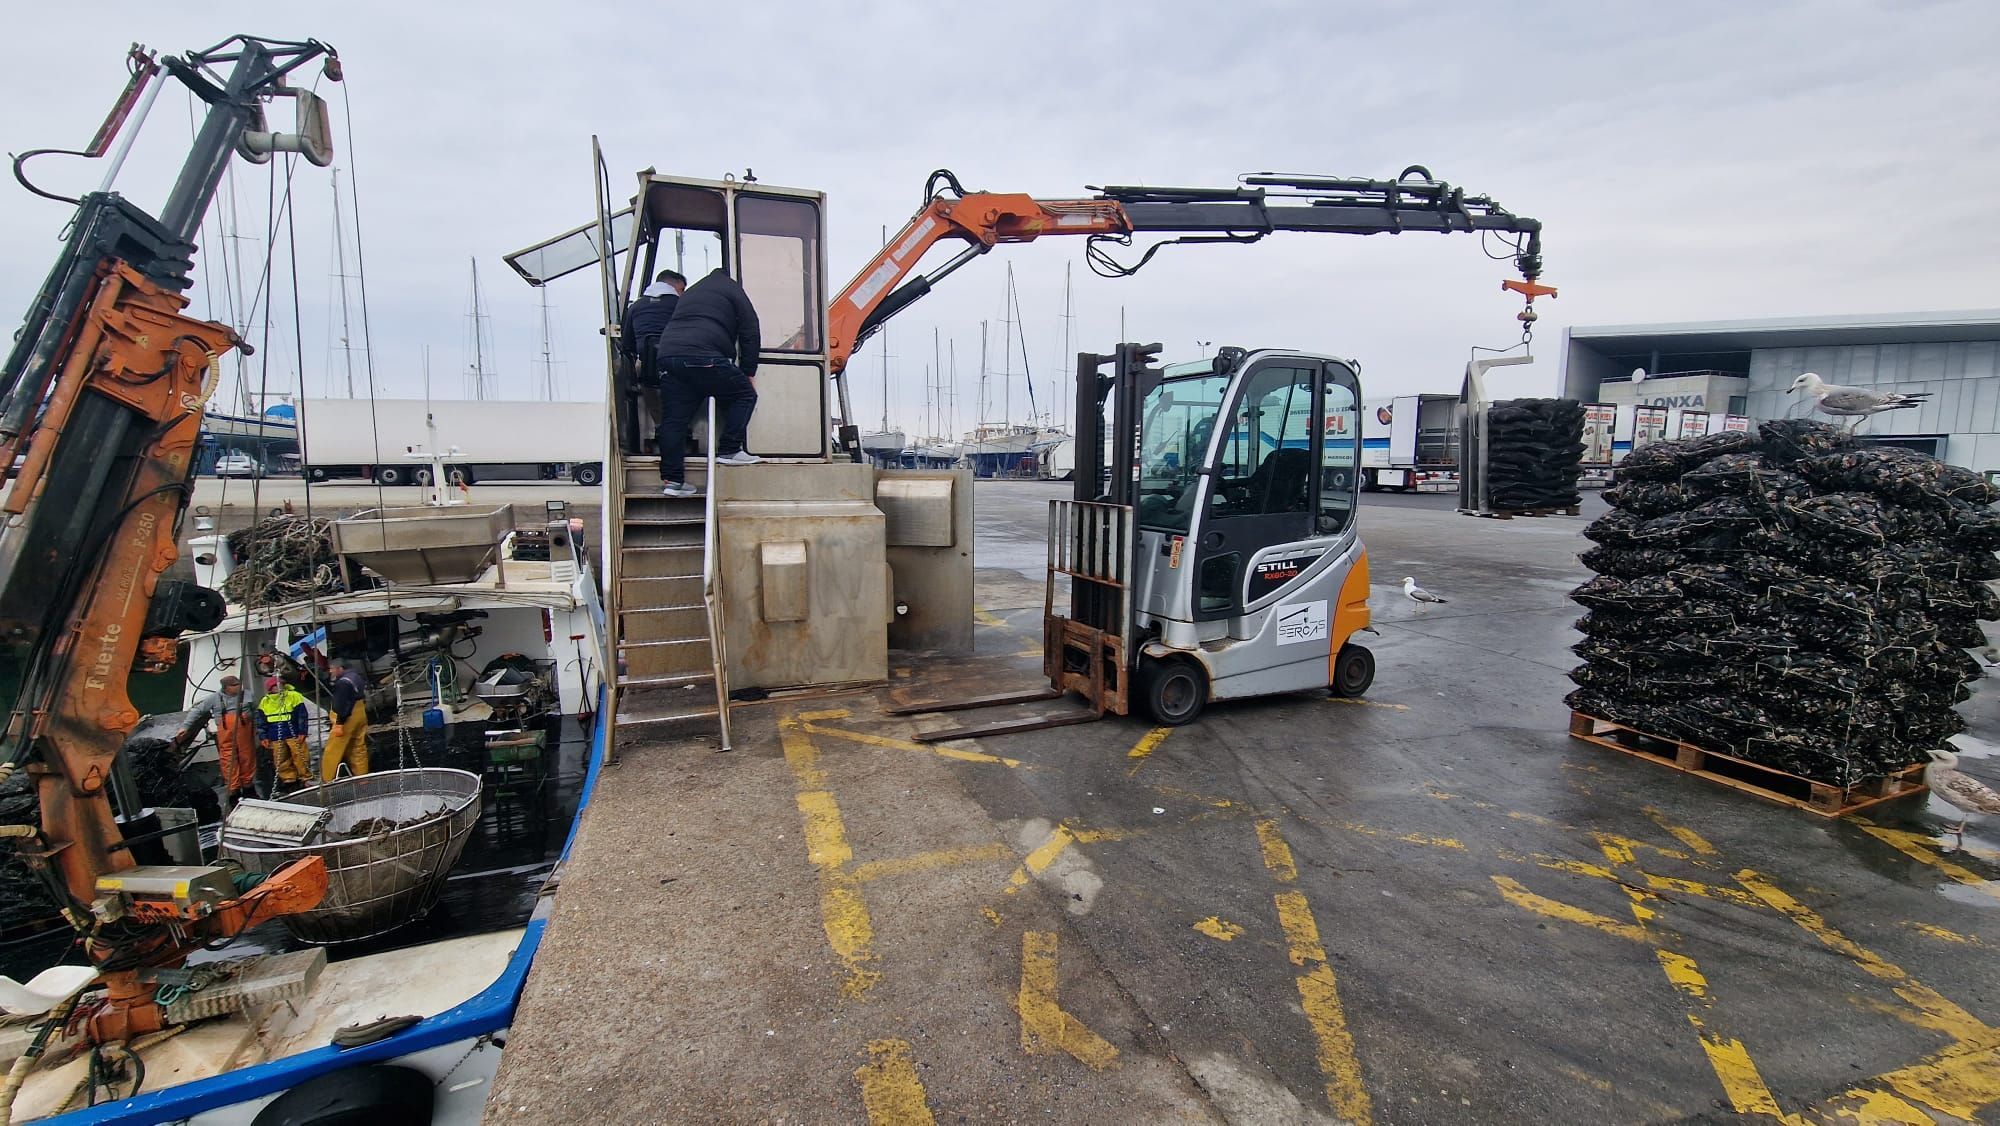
[(1353, 671), (1174, 691)]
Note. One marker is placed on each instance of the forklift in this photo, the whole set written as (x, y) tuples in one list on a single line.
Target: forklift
[(1212, 548)]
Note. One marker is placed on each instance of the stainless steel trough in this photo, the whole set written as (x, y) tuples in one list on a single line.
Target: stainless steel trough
[(421, 545), (389, 841)]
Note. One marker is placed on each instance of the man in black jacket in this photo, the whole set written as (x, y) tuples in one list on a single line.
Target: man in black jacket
[(638, 332), (708, 349)]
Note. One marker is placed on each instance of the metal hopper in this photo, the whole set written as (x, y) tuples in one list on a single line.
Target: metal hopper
[(421, 545), (389, 840)]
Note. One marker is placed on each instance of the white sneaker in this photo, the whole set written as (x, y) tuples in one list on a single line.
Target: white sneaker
[(740, 457), (671, 489)]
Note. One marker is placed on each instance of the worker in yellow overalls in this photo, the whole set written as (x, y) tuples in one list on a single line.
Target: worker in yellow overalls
[(348, 741), (282, 715)]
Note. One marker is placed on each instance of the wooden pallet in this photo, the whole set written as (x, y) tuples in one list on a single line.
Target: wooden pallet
[(1510, 513), (1766, 782)]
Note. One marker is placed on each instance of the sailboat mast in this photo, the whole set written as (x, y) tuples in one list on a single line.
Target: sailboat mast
[(1007, 346), (985, 392), (478, 338), (885, 357), (548, 362), (1068, 356), (340, 265)]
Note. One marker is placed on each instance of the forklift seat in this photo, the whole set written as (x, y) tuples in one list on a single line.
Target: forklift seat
[(1279, 483)]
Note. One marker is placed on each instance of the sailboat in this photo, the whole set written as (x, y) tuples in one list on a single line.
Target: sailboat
[(1008, 448)]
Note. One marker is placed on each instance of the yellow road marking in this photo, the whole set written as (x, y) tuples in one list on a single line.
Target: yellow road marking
[(1730, 1060), (1319, 993), (1695, 841), (842, 913), (1277, 854), (1741, 1082), (1919, 847), (1943, 1015), (1407, 838), (987, 618), (1960, 1082), (1944, 935), (890, 1089), (1352, 702), (888, 743), (1519, 896), (1707, 891), (1218, 929), (1045, 1027), (829, 713), (1044, 855), (991, 915), (1147, 744), (930, 861)]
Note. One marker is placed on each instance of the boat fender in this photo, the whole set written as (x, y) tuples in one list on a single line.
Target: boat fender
[(355, 1035)]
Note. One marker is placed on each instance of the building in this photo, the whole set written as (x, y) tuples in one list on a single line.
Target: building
[(1743, 368)]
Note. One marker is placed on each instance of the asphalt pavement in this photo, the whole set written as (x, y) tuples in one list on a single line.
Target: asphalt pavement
[(1426, 906)]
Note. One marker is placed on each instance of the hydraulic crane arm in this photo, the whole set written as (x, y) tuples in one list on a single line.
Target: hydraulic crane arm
[(1263, 204), (103, 395)]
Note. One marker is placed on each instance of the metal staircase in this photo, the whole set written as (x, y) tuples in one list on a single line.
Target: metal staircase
[(671, 677)]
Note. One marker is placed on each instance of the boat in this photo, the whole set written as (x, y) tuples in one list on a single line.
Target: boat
[(487, 683)]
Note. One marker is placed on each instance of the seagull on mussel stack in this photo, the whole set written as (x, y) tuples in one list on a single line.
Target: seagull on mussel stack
[(1971, 797), (1852, 402)]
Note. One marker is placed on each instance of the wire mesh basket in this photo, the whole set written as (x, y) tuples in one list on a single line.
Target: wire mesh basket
[(391, 839)]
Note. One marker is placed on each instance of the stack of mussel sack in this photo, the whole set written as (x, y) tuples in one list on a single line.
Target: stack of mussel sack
[(1534, 453), (1791, 597)]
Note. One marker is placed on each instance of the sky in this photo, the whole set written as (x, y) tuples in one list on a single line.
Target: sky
[(1689, 161)]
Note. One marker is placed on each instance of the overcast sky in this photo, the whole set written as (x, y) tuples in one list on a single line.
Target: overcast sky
[(1690, 161)]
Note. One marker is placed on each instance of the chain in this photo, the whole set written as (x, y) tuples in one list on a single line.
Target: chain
[(485, 1038)]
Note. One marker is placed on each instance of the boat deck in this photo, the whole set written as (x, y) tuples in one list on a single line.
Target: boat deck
[(1431, 906)]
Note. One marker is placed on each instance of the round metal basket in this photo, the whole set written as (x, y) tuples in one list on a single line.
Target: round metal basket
[(388, 877)]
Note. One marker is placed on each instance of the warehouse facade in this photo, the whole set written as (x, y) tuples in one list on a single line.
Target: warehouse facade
[(1739, 369)]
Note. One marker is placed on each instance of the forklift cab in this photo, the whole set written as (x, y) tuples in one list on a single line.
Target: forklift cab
[(1248, 576)]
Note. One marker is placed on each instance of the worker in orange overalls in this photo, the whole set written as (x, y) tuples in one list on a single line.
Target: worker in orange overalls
[(235, 731), (282, 712), (348, 741)]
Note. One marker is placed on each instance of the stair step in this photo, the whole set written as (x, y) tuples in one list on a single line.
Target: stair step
[(676, 561), (645, 660), (653, 592), (667, 680), (642, 475), (661, 535), (686, 510), (672, 623), (662, 717)]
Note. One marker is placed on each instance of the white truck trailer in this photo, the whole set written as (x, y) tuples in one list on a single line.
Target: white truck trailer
[(1408, 439), (481, 440)]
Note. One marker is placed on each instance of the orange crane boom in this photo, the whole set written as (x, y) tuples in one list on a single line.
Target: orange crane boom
[(1261, 205)]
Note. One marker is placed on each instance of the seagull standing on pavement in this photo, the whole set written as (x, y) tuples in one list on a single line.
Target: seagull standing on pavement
[(1417, 593), (1960, 790), (1852, 402)]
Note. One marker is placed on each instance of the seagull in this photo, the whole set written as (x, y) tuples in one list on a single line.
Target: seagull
[(1852, 402), (1417, 593), (1959, 790)]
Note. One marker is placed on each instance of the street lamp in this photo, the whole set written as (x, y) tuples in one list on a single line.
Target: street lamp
[(1204, 347)]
